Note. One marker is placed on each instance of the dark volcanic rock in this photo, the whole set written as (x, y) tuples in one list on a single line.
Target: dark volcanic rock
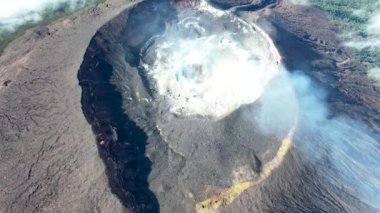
[(121, 142), (242, 4), (232, 3)]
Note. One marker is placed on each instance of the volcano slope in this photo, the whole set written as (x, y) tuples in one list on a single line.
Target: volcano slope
[(50, 160)]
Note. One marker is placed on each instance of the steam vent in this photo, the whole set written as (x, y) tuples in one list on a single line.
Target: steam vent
[(171, 92)]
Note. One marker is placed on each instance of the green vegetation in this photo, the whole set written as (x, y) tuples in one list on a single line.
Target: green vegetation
[(49, 14), (352, 17)]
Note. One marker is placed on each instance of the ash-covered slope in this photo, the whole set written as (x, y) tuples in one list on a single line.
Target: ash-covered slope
[(309, 42), (49, 159)]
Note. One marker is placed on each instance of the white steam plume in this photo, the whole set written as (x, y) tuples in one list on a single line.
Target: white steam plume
[(371, 39), (372, 28), (374, 74), (373, 35), (343, 150), (200, 69), (364, 37), (300, 2), (351, 151), (15, 13)]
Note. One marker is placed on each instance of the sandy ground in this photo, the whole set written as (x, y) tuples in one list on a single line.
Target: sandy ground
[(49, 159)]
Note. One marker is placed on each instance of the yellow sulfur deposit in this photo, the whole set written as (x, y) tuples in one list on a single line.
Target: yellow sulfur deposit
[(227, 196)]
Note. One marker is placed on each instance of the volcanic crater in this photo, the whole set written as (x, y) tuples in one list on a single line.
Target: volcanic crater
[(137, 134)]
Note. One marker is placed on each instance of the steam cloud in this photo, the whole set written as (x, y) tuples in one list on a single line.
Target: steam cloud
[(194, 66), (371, 38), (343, 150), (372, 28), (367, 38), (299, 2), (18, 12), (374, 74)]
